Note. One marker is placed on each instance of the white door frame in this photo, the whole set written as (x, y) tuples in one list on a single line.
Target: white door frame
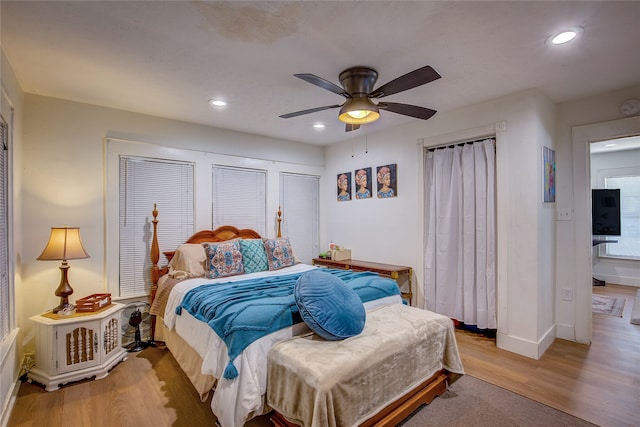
[(582, 136)]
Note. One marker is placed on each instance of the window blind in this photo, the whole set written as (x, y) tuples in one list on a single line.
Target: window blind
[(143, 182), (628, 245), (299, 198), (5, 296), (239, 198)]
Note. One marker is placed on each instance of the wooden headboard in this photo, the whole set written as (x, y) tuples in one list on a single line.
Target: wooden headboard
[(220, 234)]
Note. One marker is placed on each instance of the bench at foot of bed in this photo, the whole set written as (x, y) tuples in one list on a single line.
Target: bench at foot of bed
[(402, 359), (398, 410)]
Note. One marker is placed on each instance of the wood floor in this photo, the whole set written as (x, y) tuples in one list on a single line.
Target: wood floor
[(599, 383)]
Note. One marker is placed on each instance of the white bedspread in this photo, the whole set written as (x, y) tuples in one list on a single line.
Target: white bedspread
[(238, 400)]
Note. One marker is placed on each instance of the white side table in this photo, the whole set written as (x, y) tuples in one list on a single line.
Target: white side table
[(82, 345)]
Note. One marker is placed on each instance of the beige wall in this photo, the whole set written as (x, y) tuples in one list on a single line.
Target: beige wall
[(64, 183)]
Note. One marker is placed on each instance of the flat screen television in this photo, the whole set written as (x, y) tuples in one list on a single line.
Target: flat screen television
[(605, 212)]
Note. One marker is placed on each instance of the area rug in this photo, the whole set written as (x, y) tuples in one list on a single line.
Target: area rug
[(473, 402), (607, 305), (635, 314)]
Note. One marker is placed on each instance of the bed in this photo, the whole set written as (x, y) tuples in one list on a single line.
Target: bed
[(218, 358)]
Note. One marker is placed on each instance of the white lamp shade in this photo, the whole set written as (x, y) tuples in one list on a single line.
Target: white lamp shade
[(64, 243)]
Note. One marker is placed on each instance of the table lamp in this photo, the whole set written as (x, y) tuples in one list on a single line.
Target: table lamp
[(64, 244)]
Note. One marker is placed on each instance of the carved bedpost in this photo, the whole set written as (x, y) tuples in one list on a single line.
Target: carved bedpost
[(155, 270), (155, 252), (279, 221)]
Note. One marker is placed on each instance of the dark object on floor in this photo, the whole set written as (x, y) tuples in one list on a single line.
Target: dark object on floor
[(489, 333), (137, 345)]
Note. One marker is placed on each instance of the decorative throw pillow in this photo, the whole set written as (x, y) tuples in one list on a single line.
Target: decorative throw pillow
[(224, 259), (187, 261), (279, 253), (254, 257), (329, 306)]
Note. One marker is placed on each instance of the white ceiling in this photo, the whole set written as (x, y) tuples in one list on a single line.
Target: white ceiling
[(168, 59)]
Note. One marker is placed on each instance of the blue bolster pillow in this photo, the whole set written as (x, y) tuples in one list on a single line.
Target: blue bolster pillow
[(329, 306)]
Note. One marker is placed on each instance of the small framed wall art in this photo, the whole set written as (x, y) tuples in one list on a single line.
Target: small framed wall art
[(549, 175), (344, 186), (363, 183), (386, 177)]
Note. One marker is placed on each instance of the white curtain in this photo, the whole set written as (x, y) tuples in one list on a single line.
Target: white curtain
[(460, 242)]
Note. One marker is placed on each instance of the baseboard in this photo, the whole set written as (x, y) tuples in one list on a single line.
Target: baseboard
[(6, 414), (524, 347), (9, 375), (547, 339), (618, 280), (618, 271), (566, 332), (517, 345)]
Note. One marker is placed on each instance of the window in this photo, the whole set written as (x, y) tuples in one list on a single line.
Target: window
[(6, 309), (239, 198), (143, 183), (628, 245), (194, 190), (299, 195)]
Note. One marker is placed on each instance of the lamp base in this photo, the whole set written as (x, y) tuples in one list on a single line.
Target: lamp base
[(64, 290)]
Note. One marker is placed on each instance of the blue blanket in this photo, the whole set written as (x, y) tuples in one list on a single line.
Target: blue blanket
[(244, 311)]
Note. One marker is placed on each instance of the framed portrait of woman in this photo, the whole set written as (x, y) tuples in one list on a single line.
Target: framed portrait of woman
[(344, 186), (387, 181), (363, 183)]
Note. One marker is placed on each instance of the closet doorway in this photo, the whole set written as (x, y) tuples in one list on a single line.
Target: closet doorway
[(459, 249)]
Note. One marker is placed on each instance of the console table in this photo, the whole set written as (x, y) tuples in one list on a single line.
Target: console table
[(386, 270), (596, 242)]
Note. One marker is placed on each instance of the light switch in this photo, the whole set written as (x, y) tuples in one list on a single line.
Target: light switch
[(564, 214)]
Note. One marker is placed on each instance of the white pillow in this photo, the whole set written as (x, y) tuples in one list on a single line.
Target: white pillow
[(188, 261)]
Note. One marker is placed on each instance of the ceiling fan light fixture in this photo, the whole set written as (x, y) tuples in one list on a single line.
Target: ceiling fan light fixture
[(359, 114), (358, 111)]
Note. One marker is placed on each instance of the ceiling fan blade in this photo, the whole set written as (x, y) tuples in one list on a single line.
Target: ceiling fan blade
[(408, 81), (309, 111), (407, 110), (324, 84), (349, 127)]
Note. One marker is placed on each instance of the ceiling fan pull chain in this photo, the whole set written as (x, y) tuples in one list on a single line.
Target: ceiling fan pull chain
[(366, 141)]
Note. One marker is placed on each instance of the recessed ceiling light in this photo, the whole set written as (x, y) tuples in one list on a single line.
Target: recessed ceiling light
[(319, 126), (217, 102), (565, 36)]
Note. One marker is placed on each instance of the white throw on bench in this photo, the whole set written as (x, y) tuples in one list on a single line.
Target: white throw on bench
[(314, 382)]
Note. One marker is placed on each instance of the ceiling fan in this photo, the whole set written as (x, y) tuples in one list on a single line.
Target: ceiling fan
[(362, 105)]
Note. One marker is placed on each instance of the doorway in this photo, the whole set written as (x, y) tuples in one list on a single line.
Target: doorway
[(615, 184), (582, 136)]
